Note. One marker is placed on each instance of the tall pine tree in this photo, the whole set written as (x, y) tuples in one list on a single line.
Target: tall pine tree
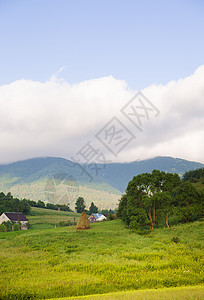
[(80, 205)]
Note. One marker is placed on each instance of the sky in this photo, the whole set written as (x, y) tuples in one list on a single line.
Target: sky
[(69, 72)]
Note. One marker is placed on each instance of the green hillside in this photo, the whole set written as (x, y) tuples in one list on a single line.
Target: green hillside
[(63, 262), (196, 177), (58, 180), (41, 218), (119, 174), (55, 180)]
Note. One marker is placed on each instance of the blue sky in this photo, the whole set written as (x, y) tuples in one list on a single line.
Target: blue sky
[(142, 42), (68, 67)]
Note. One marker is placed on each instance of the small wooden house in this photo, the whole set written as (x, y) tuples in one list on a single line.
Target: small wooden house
[(96, 217), (14, 217), (92, 218)]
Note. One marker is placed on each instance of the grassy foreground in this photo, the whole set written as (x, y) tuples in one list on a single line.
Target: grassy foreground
[(181, 293), (64, 262)]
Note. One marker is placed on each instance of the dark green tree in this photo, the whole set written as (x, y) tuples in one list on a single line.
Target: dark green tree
[(40, 204), (165, 201), (24, 206), (194, 175), (188, 202), (93, 209), (106, 212), (10, 204), (171, 181), (3, 228), (122, 210), (8, 225), (51, 206), (80, 205), (64, 207), (147, 199)]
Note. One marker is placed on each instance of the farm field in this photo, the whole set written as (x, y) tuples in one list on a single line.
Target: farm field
[(63, 262), (41, 218)]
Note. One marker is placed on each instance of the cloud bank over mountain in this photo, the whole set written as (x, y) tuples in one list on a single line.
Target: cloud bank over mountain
[(54, 118)]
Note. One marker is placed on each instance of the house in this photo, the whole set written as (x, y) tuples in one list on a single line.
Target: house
[(14, 217), (96, 217), (92, 218)]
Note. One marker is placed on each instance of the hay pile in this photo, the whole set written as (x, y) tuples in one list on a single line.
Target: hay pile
[(83, 222)]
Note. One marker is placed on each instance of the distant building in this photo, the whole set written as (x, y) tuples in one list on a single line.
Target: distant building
[(96, 217), (92, 218), (14, 217)]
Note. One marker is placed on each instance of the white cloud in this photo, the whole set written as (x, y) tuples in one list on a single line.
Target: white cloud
[(55, 118)]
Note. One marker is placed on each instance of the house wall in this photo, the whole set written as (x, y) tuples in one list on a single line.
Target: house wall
[(3, 218), (92, 219), (23, 223)]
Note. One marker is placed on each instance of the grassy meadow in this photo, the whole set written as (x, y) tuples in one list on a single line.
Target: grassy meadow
[(63, 262), (41, 218), (178, 293)]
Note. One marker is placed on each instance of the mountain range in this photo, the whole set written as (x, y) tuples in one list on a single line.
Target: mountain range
[(59, 180)]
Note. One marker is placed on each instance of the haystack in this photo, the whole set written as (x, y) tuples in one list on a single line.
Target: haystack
[(83, 222)]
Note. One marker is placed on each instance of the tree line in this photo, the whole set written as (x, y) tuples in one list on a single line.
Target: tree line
[(194, 175), (8, 203), (80, 206), (41, 204), (159, 198)]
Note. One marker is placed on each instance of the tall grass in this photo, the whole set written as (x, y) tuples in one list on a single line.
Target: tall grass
[(62, 262)]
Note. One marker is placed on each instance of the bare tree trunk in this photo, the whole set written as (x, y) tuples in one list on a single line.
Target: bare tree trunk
[(154, 213), (151, 222), (167, 220), (150, 219)]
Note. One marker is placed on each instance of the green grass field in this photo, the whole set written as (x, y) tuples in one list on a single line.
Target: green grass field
[(179, 293), (108, 258), (41, 218)]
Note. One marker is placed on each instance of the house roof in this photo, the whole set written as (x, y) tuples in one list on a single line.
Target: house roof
[(13, 216), (99, 216), (92, 216)]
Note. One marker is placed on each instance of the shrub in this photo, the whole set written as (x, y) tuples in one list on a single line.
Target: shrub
[(143, 231), (15, 227), (2, 228), (110, 217), (175, 239), (28, 226), (63, 223), (8, 225)]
